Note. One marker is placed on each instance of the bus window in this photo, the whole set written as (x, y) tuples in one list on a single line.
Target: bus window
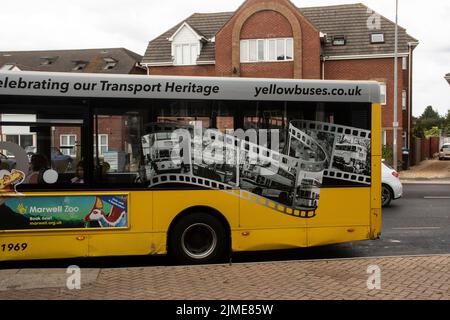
[(51, 148), (117, 147)]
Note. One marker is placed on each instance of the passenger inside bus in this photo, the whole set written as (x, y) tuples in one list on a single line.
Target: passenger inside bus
[(38, 164), (79, 173)]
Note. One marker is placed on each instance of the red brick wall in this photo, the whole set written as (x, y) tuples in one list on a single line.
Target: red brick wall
[(269, 24), (266, 24), (115, 129), (373, 69), (199, 71), (311, 50), (267, 70)]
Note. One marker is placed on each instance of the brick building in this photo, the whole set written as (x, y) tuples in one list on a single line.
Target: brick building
[(275, 39), (66, 139)]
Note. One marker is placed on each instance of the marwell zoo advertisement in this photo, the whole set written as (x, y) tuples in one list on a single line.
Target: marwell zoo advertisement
[(24, 213)]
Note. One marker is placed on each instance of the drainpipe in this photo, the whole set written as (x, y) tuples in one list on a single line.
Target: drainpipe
[(148, 70), (409, 94), (323, 67)]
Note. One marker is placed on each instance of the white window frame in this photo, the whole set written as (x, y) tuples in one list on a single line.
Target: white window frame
[(374, 40), (100, 145), (19, 136), (383, 88), (405, 63), (383, 137), (68, 152), (179, 60), (254, 57), (404, 100)]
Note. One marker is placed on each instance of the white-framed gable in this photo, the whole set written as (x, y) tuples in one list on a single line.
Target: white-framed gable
[(186, 45)]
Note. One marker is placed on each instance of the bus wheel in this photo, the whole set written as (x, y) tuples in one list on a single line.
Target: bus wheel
[(198, 238)]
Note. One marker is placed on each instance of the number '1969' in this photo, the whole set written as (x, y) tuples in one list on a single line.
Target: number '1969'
[(14, 246)]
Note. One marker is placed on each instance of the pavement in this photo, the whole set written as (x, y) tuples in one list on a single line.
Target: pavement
[(427, 172), (411, 278)]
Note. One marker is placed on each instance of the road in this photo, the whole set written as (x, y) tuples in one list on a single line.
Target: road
[(417, 224)]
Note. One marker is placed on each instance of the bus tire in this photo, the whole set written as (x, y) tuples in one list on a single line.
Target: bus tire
[(198, 238)]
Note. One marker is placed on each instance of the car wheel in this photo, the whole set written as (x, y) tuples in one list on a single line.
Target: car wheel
[(198, 238), (386, 196)]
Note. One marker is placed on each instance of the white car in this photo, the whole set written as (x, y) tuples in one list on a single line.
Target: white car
[(444, 152), (392, 188)]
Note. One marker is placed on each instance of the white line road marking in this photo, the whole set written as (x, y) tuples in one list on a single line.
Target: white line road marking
[(417, 228), (436, 198)]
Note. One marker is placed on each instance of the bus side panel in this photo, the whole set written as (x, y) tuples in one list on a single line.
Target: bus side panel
[(346, 211), (268, 239), (168, 204), (137, 240), (48, 245), (268, 229), (333, 235)]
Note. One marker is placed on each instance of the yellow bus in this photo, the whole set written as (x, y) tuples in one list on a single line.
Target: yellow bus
[(77, 177)]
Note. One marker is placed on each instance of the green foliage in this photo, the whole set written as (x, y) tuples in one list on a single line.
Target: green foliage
[(430, 122), (388, 154), (433, 132)]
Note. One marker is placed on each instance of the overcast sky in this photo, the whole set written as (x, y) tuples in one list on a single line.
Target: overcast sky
[(57, 24)]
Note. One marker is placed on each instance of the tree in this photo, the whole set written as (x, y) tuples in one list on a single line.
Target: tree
[(427, 123), (430, 118)]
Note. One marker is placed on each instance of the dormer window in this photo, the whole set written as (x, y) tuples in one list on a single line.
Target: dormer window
[(186, 45), (186, 54), (110, 63), (79, 65), (47, 61), (339, 41), (377, 38)]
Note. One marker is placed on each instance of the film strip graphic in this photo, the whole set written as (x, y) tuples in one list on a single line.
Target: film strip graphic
[(229, 189), (336, 130), (242, 151)]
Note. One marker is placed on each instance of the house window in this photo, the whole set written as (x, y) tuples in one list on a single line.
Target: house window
[(267, 50), (272, 50), (405, 63), (261, 50), (383, 93), (252, 50), (339, 41), (404, 100), (110, 63), (25, 141), (102, 144), (377, 38), (186, 54), (244, 50), (289, 49), (67, 143)]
